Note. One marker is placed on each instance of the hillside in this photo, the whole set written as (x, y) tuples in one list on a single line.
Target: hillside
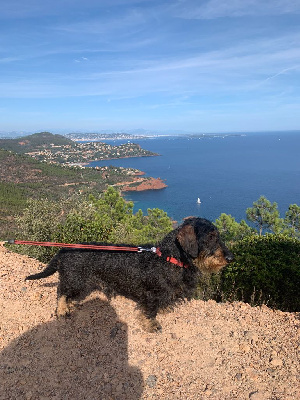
[(205, 351), (33, 142), (57, 149), (22, 177)]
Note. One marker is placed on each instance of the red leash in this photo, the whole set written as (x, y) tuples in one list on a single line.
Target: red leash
[(155, 250), (74, 246)]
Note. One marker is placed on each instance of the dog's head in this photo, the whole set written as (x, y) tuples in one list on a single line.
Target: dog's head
[(200, 241)]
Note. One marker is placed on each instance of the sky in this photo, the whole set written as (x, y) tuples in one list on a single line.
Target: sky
[(198, 66)]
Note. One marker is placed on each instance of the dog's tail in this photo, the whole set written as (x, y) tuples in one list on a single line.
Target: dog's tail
[(51, 268)]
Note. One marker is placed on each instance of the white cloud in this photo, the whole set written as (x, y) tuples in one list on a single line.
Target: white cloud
[(237, 69)]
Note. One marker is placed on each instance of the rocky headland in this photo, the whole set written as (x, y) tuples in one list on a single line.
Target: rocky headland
[(141, 184)]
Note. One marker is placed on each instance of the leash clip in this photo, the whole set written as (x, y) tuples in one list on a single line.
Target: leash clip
[(141, 249)]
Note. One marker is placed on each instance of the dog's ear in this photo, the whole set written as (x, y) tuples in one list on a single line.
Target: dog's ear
[(188, 240)]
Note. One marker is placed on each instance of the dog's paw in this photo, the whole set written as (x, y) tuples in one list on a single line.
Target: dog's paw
[(150, 325), (155, 326), (63, 309)]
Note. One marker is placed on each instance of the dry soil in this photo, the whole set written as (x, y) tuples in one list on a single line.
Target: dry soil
[(205, 351)]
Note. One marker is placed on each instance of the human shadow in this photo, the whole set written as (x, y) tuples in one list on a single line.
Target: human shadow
[(82, 357)]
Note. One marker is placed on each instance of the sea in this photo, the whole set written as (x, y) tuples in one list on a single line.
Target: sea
[(227, 172)]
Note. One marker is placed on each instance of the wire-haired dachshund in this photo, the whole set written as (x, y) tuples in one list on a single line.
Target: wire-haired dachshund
[(154, 281)]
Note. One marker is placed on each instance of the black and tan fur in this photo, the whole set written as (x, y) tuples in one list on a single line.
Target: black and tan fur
[(146, 278)]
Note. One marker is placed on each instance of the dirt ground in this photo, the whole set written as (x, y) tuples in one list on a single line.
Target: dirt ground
[(205, 351)]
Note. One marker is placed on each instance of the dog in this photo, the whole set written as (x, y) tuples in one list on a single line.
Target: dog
[(154, 281)]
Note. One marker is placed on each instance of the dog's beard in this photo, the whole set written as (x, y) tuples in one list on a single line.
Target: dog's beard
[(212, 263)]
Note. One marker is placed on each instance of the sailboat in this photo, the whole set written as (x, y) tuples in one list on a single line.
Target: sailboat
[(198, 200)]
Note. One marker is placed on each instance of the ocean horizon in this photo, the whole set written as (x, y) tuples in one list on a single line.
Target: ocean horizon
[(227, 172)]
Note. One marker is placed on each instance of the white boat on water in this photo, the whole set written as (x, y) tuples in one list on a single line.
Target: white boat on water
[(198, 200)]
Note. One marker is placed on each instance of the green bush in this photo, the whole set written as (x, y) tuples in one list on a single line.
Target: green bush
[(230, 230), (266, 270), (108, 218), (39, 221)]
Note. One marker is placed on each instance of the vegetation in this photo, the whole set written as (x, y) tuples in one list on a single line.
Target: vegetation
[(266, 270), (108, 218), (32, 142), (23, 178), (230, 230), (63, 204), (264, 216)]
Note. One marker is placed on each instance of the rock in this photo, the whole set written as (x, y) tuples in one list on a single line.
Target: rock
[(151, 381), (251, 336), (238, 376), (245, 348), (276, 362), (144, 184), (256, 396)]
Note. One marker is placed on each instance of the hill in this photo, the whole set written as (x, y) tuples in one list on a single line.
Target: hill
[(58, 149), (207, 350), (33, 142)]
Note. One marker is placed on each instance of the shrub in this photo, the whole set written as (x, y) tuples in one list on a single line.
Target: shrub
[(106, 219), (39, 221), (266, 270), (230, 230)]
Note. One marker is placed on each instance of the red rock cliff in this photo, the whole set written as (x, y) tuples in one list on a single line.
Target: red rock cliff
[(141, 184)]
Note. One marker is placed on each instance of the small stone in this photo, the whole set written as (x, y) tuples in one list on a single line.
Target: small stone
[(151, 381), (170, 377), (210, 362), (276, 362), (256, 396), (245, 348), (238, 376), (251, 336), (113, 332), (271, 372)]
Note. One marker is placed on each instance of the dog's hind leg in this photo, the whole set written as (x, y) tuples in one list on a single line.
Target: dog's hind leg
[(64, 302), (63, 308)]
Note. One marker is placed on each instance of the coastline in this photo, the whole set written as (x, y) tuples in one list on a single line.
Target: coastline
[(86, 163), (138, 183)]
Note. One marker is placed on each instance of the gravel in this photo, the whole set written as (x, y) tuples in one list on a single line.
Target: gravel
[(206, 350)]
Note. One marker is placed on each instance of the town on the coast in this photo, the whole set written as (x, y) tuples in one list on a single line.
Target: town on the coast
[(61, 150)]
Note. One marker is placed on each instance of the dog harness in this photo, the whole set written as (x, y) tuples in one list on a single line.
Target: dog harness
[(154, 250)]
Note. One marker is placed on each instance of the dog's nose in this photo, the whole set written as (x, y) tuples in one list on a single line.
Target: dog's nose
[(229, 257)]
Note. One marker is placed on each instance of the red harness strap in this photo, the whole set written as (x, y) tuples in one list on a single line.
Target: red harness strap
[(172, 259)]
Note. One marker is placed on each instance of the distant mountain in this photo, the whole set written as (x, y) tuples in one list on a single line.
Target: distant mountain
[(26, 144)]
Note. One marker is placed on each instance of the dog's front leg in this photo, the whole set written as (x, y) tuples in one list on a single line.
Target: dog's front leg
[(147, 318), (149, 324)]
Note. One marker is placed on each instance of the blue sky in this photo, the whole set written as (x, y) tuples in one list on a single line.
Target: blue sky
[(197, 66)]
